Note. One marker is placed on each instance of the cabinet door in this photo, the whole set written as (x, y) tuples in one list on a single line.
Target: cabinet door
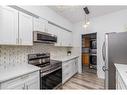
[(75, 67), (66, 71), (33, 83), (65, 38), (86, 41), (25, 29), (8, 26), (70, 39), (53, 29), (59, 36), (85, 58), (40, 25)]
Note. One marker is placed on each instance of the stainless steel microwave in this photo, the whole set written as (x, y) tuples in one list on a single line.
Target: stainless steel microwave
[(42, 37)]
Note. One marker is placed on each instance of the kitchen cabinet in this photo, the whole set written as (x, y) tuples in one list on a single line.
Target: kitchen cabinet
[(120, 85), (40, 25), (86, 41), (27, 81), (16, 27), (33, 83), (16, 86), (85, 58), (75, 65), (53, 30), (8, 26), (69, 68), (25, 29), (70, 39), (64, 38)]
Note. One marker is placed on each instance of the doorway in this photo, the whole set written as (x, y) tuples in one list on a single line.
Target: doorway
[(89, 53)]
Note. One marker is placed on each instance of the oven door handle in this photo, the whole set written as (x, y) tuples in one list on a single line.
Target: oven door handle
[(45, 73), (49, 72)]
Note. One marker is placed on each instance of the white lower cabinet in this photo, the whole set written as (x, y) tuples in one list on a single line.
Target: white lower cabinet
[(28, 81), (120, 85), (15, 86), (69, 68), (33, 83)]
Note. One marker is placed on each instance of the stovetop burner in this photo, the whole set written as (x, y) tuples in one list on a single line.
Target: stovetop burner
[(43, 61), (53, 65)]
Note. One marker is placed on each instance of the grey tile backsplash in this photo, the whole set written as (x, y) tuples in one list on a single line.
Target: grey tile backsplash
[(13, 55)]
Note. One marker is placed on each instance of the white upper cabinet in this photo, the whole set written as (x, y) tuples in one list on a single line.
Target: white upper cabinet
[(8, 26), (70, 39), (64, 38), (55, 31), (15, 27), (52, 29), (25, 29), (40, 25)]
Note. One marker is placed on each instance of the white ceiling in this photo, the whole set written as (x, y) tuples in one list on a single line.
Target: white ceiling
[(76, 13)]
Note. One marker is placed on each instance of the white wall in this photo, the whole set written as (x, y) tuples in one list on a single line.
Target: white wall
[(49, 14), (114, 22)]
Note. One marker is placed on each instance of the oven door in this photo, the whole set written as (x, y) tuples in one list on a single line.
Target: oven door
[(52, 80)]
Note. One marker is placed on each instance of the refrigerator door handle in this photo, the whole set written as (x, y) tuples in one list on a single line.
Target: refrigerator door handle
[(104, 55), (103, 51)]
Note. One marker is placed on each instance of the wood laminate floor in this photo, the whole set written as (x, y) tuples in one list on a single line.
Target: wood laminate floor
[(85, 81)]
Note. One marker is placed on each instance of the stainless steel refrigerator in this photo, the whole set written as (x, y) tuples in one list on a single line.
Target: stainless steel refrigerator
[(114, 50)]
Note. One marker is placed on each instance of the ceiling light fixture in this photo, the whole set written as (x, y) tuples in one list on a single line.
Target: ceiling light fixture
[(87, 22)]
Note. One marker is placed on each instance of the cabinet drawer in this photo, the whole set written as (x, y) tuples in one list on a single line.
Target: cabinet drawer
[(17, 80)]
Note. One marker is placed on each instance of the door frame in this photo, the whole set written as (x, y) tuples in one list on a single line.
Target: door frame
[(81, 49)]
